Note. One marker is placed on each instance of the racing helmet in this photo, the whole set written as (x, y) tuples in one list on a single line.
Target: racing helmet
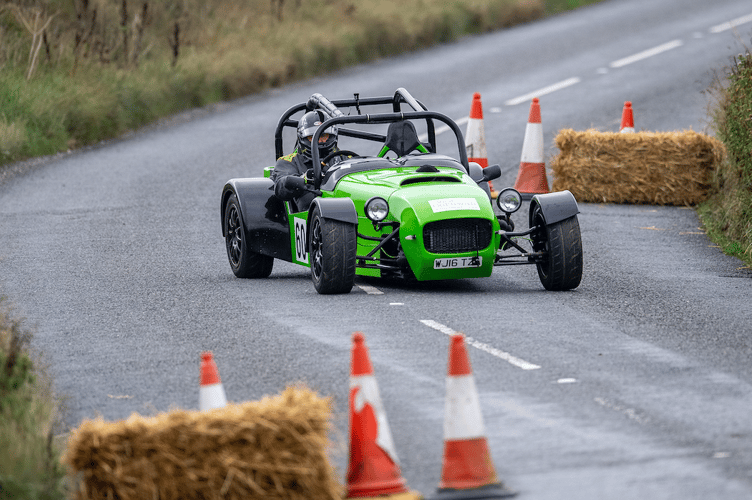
[(307, 126)]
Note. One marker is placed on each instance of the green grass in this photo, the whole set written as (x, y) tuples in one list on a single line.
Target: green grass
[(727, 215), (29, 461), (95, 77)]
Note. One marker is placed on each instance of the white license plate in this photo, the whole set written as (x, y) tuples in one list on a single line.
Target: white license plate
[(457, 262)]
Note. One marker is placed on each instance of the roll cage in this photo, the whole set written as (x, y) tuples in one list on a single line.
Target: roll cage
[(417, 111)]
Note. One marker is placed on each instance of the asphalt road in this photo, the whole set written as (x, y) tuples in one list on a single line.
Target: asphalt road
[(643, 388)]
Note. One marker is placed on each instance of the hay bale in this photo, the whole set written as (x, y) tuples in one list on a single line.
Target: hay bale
[(273, 448), (659, 168)]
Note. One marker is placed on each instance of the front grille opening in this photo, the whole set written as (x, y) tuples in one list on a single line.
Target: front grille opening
[(457, 235)]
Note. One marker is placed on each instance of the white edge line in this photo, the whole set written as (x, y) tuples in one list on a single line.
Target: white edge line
[(647, 53), (731, 24), (519, 363), (545, 90)]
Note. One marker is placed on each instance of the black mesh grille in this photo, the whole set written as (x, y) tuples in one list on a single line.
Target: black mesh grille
[(457, 235)]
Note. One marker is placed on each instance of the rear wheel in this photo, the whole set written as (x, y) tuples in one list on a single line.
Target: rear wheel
[(244, 262), (332, 253), (561, 268)]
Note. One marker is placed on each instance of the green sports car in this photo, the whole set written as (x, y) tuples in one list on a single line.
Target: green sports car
[(408, 211)]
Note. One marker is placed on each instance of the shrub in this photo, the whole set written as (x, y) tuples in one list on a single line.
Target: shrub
[(30, 467)]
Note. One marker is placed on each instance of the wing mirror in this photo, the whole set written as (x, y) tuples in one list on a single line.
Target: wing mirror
[(491, 172)]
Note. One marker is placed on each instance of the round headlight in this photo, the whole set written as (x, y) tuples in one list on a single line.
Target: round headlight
[(509, 200), (377, 209)]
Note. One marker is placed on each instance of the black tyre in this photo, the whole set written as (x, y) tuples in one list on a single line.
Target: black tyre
[(561, 269), (333, 246), (244, 262)]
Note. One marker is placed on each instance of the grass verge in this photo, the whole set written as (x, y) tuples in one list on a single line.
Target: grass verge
[(30, 467), (100, 68), (727, 215)]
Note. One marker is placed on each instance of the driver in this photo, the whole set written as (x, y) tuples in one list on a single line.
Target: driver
[(300, 160)]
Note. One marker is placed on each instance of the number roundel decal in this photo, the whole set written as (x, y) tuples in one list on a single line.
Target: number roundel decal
[(301, 248)]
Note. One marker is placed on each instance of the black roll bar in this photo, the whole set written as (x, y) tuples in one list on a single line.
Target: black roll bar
[(384, 118), (331, 108)]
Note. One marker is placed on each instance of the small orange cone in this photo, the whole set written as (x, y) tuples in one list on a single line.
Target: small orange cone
[(627, 118), (211, 393), (475, 138), (374, 469), (468, 470), (531, 178)]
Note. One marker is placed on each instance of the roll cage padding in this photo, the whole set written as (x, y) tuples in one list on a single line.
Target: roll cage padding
[(318, 101), (555, 207)]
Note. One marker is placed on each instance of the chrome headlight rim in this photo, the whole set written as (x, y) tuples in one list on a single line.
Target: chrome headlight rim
[(509, 200), (376, 209)]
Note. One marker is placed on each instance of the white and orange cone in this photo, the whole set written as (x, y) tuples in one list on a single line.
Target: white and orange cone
[(211, 393), (374, 468), (468, 470), (475, 138), (627, 118), (531, 178)]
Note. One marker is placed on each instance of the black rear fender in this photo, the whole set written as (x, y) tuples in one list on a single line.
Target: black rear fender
[(555, 207), (264, 216)]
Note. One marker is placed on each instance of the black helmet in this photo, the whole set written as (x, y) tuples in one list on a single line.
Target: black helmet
[(307, 126)]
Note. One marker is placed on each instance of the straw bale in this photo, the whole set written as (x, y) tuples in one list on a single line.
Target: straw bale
[(275, 448), (658, 168)]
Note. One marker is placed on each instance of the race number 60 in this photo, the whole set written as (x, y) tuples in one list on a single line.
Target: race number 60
[(301, 250)]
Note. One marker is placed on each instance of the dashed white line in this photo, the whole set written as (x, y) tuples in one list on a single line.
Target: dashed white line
[(731, 24), (545, 90), (370, 290), (519, 363), (615, 64), (647, 53)]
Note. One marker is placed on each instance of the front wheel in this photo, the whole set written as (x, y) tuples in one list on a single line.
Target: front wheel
[(561, 244), (244, 262), (333, 246)]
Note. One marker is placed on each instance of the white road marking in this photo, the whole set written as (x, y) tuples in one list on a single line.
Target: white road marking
[(602, 71), (566, 381), (370, 290), (631, 413), (519, 363), (396, 303), (647, 53), (545, 90), (731, 24)]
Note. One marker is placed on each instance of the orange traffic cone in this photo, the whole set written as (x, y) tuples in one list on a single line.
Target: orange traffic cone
[(374, 469), (627, 118), (468, 470), (475, 137), (211, 393), (531, 178)]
